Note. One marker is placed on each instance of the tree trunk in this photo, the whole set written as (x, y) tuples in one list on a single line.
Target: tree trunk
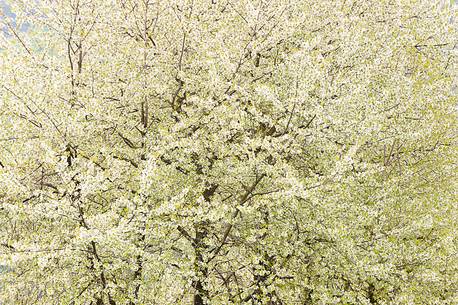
[(200, 266)]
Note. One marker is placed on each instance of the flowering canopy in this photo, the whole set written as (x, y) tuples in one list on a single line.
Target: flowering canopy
[(228, 152)]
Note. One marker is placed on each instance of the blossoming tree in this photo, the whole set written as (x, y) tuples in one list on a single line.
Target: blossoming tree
[(228, 152)]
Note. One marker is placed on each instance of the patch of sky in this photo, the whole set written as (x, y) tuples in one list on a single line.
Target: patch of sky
[(7, 13)]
